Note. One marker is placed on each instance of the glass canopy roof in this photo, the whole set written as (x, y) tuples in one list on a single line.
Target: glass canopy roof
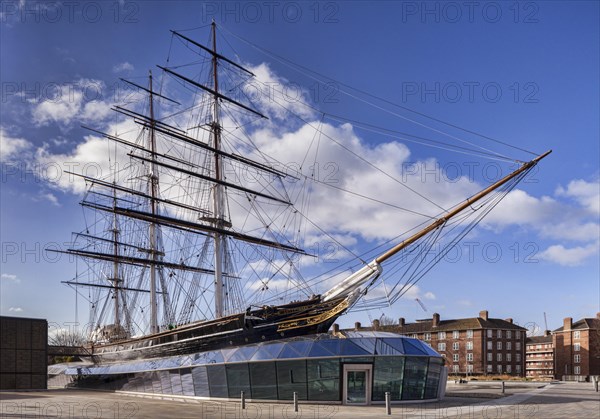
[(315, 346)]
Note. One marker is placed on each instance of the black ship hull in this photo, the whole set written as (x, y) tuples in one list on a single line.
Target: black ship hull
[(265, 324)]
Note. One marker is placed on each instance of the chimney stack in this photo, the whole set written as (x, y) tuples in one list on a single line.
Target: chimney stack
[(598, 315), (546, 333), (376, 324), (509, 320), (401, 321), (436, 319), (357, 326), (567, 323), (336, 328), (483, 314)]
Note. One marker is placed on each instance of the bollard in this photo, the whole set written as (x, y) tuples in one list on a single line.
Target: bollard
[(596, 384), (243, 401), (295, 401), (388, 403), (502, 387)]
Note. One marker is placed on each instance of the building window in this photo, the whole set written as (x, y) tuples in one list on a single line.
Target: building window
[(489, 368), (576, 334), (455, 346), (489, 333), (469, 346), (469, 334), (455, 368), (470, 357), (489, 345), (489, 357), (508, 334), (441, 346), (441, 335), (455, 357), (508, 346), (469, 367), (518, 357), (577, 370), (577, 359), (415, 336), (499, 345), (499, 334), (455, 334), (509, 357), (518, 346), (517, 334), (518, 368), (499, 357), (577, 346), (427, 337), (508, 369), (499, 369)]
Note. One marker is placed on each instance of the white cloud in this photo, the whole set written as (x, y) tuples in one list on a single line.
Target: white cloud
[(587, 194), (10, 278), (51, 198), (15, 309), (429, 295), (79, 101), (573, 256), (11, 147), (124, 66)]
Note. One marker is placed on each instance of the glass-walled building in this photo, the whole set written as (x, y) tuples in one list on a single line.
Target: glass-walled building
[(357, 369)]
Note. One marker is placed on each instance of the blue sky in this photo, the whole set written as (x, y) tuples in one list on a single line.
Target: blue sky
[(526, 73)]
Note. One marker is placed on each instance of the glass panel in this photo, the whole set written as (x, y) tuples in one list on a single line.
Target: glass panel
[(238, 380), (156, 385), (350, 348), (298, 349), (217, 381), (388, 372), (200, 376), (291, 376), (356, 387), (187, 382), (323, 379), (270, 351), (357, 360), (263, 380), (175, 382), (413, 348), (433, 378), (415, 374), (165, 381), (368, 344)]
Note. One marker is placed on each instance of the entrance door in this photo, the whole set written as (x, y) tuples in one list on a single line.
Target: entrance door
[(357, 384)]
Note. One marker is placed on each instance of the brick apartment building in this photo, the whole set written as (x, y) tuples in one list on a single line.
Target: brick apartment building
[(476, 345), (577, 349), (539, 356)]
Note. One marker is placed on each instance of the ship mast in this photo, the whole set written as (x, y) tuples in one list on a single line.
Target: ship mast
[(218, 187), (370, 272), (115, 278), (153, 180)]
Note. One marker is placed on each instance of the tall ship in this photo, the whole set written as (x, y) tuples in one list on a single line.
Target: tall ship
[(194, 236)]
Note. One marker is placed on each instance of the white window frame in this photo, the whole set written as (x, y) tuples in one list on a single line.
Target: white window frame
[(577, 358), (577, 370), (470, 333), (489, 333), (490, 345), (577, 346), (441, 335), (498, 357), (442, 347), (455, 346), (455, 358), (577, 334), (499, 345), (469, 345), (508, 368), (518, 346), (508, 346), (518, 368), (509, 357), (427, 337), (490, 356), (455, 368), (489, 368), (470, 357), (499, 368), (518, 357), (499, 334), (456, 334), (469, 367)]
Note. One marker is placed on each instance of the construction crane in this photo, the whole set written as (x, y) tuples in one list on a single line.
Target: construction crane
[(545, 322), (421, 304)]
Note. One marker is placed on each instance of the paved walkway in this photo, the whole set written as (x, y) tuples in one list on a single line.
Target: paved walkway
[(557, 400)]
